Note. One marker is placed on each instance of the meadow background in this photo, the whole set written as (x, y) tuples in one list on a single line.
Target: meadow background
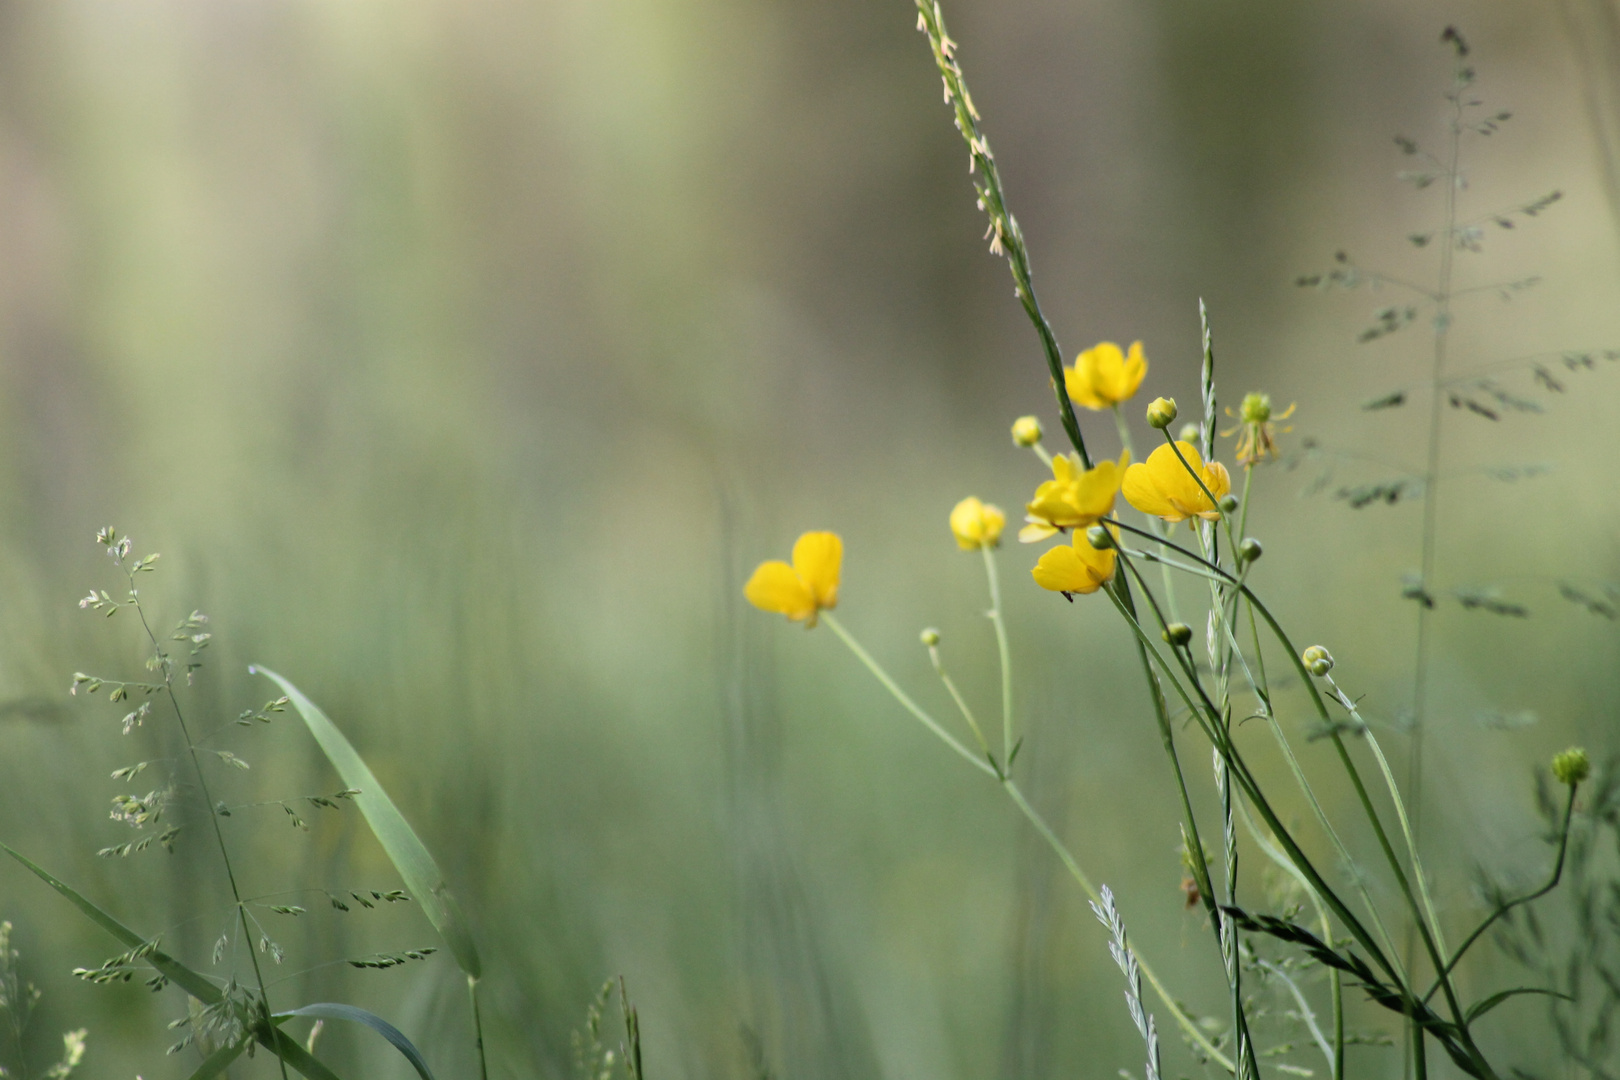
[(462, 358)]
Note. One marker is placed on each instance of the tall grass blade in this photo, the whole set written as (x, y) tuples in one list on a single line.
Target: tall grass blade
[(405, 849), (191, 982), (327, 1010)]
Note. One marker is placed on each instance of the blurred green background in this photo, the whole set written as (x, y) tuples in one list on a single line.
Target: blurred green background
[(463, 358)]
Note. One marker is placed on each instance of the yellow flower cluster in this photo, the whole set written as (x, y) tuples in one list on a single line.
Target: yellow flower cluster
[(1073, 498)]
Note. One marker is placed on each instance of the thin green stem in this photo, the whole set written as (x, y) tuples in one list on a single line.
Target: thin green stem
[(478, 1027), (208, 799), (961, 702), (1400, 812), (1058, 847), (902, 697), (1153, 523), (1004, 653)]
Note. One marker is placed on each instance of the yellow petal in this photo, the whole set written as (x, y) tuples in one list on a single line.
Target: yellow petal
[(775, 587), (1135, 369), (817, 557), (1081, 382), (1060, 570), (1141, 490), (1035, 532)]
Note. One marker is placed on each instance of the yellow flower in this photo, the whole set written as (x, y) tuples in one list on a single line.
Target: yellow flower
[(1258, 438), (1073, 498), (1163, 487), (977, 524), (806, 588), (1026, 431), (1075, 568), (1103, 376)]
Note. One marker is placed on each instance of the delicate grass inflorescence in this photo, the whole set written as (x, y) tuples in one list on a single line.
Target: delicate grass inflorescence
[(1360, 905)]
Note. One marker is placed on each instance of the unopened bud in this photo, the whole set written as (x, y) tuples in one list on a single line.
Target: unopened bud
[(1250, 549), (1026, 431), (930, 637), (1190, 433), (1228, 503), (1572, 766), (1099, 538), (1318, 661), (1177, 633), (1161, 413)]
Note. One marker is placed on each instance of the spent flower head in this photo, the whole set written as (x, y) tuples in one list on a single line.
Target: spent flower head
[(1103, 375), (1256, 428), (977, 524), (1165, 487), (806, 588)]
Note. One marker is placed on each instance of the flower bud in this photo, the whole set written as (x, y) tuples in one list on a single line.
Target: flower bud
[(930, 637), (1177, 633), (1250, 549), (1099, 538), (1026, 431), (1161, 413), (1190, 433), (1228, 503), (1572, 766), (1256, 408), (1318, 661)]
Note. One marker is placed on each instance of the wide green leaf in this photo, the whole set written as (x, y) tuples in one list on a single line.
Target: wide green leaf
[(405, 849), (327, 1010), (192, 982)]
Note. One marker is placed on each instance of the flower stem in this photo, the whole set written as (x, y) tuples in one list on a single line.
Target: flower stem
[(1005, 654)]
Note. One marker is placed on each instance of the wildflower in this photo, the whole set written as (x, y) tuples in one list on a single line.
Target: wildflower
[(977, 524), (806, 588), (1161, 412), (1073, 498), (1075, 568), (1177, 633), (1103, 376), (1572, 766), (1163, 486), (1257, 438), (1026, 431)]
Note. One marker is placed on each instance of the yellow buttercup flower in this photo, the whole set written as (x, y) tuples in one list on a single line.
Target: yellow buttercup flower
[(1073, 498), (1075, 568), (1163, 487), (977, 524), (1103, 376), (806, 588)]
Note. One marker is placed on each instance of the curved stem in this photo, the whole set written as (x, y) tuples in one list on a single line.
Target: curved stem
[(902, 697)]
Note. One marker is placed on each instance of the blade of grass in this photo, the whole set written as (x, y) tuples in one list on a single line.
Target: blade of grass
[(405, 849), (327, 1010), (192, 982)]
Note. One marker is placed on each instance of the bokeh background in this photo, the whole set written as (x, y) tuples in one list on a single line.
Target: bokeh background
[(461, 359)]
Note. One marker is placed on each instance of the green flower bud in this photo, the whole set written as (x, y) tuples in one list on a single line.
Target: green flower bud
[(1177, 633), (1026, 431), (1161, 413), (1190, 433), (1572, 766), (1250, 549), (1228, 503), (930, 637), (1318, 661), (1099, 538)]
